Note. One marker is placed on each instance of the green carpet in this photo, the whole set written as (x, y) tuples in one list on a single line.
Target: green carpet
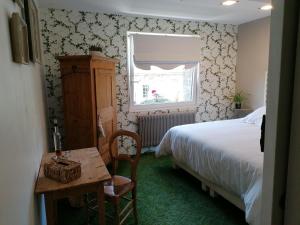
[(166, 197)]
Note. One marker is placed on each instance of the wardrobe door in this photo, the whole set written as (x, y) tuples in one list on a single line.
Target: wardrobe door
[(78, 108), (106, 106)]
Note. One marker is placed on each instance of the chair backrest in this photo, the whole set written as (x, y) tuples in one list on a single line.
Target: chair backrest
[(115, 156)]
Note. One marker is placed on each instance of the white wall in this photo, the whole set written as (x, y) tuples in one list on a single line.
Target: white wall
[(23, 136), (252, 60)]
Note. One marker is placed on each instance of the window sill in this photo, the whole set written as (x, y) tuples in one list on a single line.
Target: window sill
[(154, 107)]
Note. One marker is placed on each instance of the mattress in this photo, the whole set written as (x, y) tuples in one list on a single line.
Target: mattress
[(226, 153)]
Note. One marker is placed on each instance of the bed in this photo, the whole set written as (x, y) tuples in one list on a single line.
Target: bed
[(223, 155)]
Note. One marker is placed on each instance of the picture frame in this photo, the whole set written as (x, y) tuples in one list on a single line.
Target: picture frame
[(32, 19), (20, 3), (19, 39)]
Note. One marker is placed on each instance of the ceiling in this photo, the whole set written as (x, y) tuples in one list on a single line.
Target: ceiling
[(203, 10)]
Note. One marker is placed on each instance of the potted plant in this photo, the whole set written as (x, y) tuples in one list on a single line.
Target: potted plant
[(238, 99), (96, 50)]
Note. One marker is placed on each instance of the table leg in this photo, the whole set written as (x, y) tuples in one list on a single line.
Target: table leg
[(101, 204), (50, 209)]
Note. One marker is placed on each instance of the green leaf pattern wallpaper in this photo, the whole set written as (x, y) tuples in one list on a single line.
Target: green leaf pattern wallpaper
[(73, 32)]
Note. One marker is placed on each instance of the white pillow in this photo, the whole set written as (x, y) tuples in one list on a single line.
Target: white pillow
[(255, 117)]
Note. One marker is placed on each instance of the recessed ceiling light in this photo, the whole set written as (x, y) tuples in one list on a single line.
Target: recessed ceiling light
[(229, 2), (266, 7)]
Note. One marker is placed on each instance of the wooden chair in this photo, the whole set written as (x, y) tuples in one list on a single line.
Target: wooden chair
[(119, 186)]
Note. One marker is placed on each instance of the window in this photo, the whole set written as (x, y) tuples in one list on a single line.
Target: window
[(160, 80), (159, 86), (145, 91)]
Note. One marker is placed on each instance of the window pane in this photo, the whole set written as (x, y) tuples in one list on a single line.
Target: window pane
[(159, 86)]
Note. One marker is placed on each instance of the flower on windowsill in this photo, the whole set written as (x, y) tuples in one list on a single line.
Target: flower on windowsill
[(156, 99), (156, 96)]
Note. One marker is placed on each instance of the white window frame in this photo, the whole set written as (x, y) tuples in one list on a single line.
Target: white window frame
[(161, 106)]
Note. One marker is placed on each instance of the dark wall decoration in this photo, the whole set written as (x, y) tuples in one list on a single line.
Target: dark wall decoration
[(32, 20)]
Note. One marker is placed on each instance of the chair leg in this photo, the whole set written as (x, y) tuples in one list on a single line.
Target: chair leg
[(86, 209), (117, 213), (134, 206)]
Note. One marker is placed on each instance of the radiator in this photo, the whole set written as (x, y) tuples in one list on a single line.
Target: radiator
[(152, 128)]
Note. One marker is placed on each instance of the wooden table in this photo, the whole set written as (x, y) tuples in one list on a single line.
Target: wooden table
[(93, 174), (239, 113)]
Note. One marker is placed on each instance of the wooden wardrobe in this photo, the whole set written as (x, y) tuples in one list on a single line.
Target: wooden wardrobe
[(89, 96)]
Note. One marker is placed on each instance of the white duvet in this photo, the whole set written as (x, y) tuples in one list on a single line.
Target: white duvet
[(226, 153)]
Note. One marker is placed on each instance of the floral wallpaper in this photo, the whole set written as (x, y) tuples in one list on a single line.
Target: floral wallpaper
[(72, 32)]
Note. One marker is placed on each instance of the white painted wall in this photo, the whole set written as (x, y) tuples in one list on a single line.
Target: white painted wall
[(23, 136), (252, 60)]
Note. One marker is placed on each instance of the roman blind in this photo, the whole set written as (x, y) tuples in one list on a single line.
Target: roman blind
[(165, 51)]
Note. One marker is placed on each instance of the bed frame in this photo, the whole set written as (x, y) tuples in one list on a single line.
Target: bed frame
[(213, 188)]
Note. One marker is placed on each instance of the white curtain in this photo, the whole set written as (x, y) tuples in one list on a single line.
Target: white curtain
[(165, 51)]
